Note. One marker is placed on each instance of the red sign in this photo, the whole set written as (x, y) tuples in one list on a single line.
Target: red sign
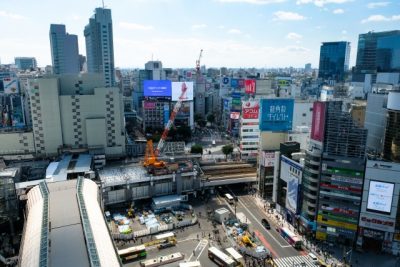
[(340, 187), (376, 221), (318, 121), (250, 86), (340, 210), (149, 105), (250, 109)]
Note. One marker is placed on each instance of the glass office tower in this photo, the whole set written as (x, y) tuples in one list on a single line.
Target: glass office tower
[(334, 60)]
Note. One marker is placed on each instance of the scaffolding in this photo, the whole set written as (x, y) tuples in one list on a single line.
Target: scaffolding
[(343, 138)]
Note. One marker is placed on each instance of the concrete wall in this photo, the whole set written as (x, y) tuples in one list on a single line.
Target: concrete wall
[(271, 141), (16, 143)]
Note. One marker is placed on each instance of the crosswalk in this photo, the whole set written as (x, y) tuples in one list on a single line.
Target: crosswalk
[(295, 261)]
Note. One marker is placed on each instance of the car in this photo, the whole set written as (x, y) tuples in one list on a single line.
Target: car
[(266, 224), (313, 257), (165, 245)]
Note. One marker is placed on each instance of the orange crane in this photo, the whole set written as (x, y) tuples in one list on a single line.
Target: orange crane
[(151, 157)]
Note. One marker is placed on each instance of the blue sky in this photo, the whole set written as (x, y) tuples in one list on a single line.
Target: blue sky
[(232, 33)]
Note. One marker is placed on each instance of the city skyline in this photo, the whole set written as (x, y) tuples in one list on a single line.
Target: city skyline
[(279, 33)]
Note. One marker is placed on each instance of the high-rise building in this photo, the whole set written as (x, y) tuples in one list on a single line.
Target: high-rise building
[(99, 45), (334, 60), (24, 63), (377, 52), (64, 50), (333, 174)]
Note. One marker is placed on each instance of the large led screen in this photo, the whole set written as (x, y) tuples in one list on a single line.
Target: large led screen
[(380, 197), (157, 88), (182, 90)]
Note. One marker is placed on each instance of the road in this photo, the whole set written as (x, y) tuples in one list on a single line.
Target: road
[(270, 238)]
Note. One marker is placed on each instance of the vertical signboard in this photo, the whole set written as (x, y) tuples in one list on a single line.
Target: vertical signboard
[(268, 159), (250, 109), (235, 83), (250, 87), (291, 173), (10, 85), (276, 114), (166, 114), (318, 121), (241, 83)]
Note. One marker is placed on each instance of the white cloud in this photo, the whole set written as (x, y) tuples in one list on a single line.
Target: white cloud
[(199, 26), (380, 18), (135, 26), (338, 11), (234, 31), (377, 4), (321, 3), (284, 15), (254, 2), (9, 15), (293, 36)]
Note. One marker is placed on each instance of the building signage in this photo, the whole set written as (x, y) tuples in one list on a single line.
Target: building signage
[(318, 121), (149, 105), (346, 179), (10, 85), (182, 91), (268, 159), (380, 195), (341, 187), (225, 80), (235, 83), (377, 222), (250, 109), (241, 83), (373, 234), (235, 115), (250, 87), (339, 210), (276, 114), (157, 88), (291, 173)]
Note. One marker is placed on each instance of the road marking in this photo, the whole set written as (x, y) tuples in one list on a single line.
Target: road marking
[(202, 244), (205, 245), (265, 243), (244, 206)]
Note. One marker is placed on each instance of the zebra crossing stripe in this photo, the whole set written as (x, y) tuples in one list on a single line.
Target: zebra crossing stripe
[(295, 261)]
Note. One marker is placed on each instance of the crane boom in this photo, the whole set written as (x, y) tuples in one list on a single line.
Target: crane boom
[(198, 62), (171, 119)]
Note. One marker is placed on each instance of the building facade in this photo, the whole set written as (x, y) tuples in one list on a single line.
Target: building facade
[(25, 63), (64, 50), (334, 60), (379, 223), (377, 52), (76, 112), (99, 45), (391, 145)]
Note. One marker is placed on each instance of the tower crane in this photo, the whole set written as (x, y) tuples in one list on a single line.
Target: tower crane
[(198, 62), (151, 157)]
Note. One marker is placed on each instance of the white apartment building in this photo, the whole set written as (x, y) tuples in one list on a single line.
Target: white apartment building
[(249, 130), (76, 112)]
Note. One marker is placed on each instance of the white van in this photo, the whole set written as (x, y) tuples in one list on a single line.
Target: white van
[(313, 257)]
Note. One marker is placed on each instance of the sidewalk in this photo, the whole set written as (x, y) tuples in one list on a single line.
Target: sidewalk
[(333, 253)]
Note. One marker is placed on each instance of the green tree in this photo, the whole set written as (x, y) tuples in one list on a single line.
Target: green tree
[(227, 149), (196, 149), (211, 118)]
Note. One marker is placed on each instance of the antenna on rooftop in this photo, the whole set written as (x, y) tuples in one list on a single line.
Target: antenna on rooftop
[(102, 1)]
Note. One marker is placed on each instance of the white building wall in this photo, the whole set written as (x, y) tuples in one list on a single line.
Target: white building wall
[(302, 114), (16, 143)]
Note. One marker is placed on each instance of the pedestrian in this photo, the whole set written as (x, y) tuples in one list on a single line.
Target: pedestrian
[(194, 253)]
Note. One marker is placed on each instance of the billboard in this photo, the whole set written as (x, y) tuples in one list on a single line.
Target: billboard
[(234, 83), (10, 85), (157, 88), (380, 196), (276, 114), (268, 159), (241, 83), (250, 86), (182, 90), (291, 172), (149, 105), (250, 109), (235, 115), (318, 121), (382, 223)]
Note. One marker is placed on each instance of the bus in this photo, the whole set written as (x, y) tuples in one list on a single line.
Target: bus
[(235, 255), (190, 264), (220, 258), (229, 198), (132, 253), (162, 260), (290, 237), (170, 236)]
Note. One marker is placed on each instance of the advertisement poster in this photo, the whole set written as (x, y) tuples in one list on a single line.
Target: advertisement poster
[(154, 88), (276, 114), (149, 105), (235, 115), (250, 87), (318, 121), (182, 90), (250, 109), (10, 85)]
